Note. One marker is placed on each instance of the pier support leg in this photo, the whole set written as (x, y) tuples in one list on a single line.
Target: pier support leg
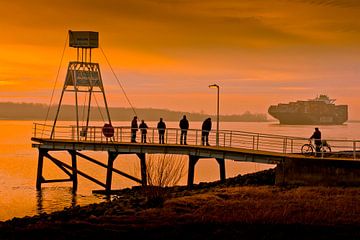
[(74, 170), (142, 158), (39, 178), (111, 158), (192, 162), (221, 163)]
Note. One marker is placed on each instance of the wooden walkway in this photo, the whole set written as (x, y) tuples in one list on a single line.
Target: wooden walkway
[(74, 148), (237, 146), (236, 154)]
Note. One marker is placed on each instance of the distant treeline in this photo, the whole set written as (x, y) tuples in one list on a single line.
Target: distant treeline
[(34, 111)]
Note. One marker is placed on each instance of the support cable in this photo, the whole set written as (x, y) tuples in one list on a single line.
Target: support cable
[(118, 81), (56, 79), (97, 104), (83, 112)]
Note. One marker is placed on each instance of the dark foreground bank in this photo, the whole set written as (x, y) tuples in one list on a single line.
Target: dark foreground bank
[(245, 207)]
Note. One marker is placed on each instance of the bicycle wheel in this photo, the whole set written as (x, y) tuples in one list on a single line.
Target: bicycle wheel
[(307, 150), (326, 149)]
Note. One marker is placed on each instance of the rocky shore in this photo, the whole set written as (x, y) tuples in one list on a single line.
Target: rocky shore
[(244, 207)]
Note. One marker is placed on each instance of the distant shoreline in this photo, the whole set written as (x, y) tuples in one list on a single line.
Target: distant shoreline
[(122, 120), (39, 112)]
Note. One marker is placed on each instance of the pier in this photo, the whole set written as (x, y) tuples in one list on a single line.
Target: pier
[(233, 145)]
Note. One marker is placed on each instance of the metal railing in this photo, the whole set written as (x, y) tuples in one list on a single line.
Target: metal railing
[(227, 138)]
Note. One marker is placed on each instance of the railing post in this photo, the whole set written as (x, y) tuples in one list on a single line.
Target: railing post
[(253, 142), (196, 137), (354, 150), (292, 145), (230, 138), (176, 136), (89, 133), (94, 134), (35, 130), (224, 139), (153, 135), (284, 145), (257, 142), (121, 134)]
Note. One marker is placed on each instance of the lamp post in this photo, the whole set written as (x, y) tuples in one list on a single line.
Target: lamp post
[(217, 112)]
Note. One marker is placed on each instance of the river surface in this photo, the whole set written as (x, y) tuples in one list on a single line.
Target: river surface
[(18, 166)]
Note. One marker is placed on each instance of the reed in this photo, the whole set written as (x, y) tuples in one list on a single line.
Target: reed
[(162, 171), (273, 205)]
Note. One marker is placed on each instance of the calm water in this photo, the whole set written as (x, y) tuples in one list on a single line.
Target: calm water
[(18, 165)]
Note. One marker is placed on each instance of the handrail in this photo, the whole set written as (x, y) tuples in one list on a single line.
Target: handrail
[(227, 138)]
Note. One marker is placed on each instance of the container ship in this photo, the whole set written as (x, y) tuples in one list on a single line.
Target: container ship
[(319, 111)]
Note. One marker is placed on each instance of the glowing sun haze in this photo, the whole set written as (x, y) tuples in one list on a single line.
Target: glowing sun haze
[(167, 52)]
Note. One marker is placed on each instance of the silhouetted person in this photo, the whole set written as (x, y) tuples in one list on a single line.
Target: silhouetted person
[(317, 140), (184, 126), (134, 128), (206, 127), (161, 126), (143, 129)]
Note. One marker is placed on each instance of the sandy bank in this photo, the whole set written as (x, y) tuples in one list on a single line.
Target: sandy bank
[(245, 207)]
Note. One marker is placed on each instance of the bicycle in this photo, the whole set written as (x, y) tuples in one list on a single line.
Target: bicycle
[(308, 149)]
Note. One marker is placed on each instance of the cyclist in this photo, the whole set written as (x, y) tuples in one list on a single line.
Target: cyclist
[(317, 140)]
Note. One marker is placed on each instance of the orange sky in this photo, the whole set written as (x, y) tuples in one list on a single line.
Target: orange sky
[(167, 52)]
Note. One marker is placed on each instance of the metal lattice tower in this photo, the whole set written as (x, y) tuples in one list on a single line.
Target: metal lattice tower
[(83, 76)]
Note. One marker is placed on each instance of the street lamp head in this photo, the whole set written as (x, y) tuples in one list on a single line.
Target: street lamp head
[(214, 86)]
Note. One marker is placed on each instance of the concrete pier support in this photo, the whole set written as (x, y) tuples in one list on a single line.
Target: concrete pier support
[(111, 158), (142, 158), (221, 163), (191, 171), (39, 178), (74, 176)]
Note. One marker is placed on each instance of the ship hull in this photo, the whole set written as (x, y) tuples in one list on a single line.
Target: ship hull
[(307, 119), (309, 113)]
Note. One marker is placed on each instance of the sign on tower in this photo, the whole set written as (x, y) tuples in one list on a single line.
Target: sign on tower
[(83, 39)]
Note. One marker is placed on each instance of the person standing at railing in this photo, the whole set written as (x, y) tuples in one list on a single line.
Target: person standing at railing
[(143, 129), (184, 126), (134, 128), (317, 140), (161, 126), (206, 128)]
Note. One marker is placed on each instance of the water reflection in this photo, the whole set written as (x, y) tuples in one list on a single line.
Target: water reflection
[(39, 201), (52, 199), (55, 199)]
